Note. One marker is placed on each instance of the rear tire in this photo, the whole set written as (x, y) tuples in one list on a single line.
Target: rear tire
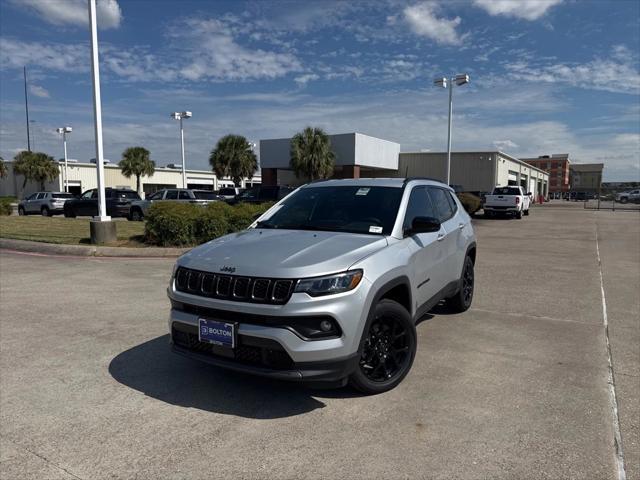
[(461, 301), (624, 200), (519, 215), (45, 212), (69, 213), (21, 211), (387, 349)]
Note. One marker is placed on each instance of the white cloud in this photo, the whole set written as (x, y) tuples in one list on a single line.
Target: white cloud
[(74, 12), (38, 91), (215, 55), (59, 57), (618, 73), (423, 20), (302, 80), (505, 144), (525, 9)]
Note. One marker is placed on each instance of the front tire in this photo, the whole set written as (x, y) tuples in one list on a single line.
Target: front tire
[(461, 301), (387, 349), (45, 212), (21, 211), (136, 215), (624, 200), (69, 213)]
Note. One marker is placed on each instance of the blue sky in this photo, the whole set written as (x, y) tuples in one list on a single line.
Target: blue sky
[(547, 76)]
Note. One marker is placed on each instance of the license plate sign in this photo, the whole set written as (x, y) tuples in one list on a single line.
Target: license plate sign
[(217, 333)]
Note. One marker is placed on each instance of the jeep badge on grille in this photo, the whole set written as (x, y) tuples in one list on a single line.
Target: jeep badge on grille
[(228, 269)]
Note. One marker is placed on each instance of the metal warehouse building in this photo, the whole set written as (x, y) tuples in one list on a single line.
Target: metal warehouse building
[(82, 177), (359, 155)]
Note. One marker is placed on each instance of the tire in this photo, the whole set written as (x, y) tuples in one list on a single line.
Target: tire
[(387, 349), (624, 200), (21, 211), (488, 215), (45, 212), (136, 215), (461, 301), (69, 213), (519, 215)]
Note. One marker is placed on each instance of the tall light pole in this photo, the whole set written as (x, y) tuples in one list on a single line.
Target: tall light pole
[(97, 112), (180, 116), (458, 80), (64, 131)]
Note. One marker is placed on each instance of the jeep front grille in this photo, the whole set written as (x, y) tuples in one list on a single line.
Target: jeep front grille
[(274, 291)]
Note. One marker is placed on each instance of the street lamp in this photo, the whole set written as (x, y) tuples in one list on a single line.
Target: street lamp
[(180, 116), (458, 80), (64, 131)]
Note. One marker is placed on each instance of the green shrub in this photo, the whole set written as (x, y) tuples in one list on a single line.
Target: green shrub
[(5, 205), (171, 224), (175, 224), (470, 202)]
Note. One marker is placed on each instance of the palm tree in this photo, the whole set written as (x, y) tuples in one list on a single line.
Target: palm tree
[(233, 157), (311, 154), (135, 161), (3, 168), (35, 166)]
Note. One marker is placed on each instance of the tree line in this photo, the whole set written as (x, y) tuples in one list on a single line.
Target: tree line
[(311, 158)]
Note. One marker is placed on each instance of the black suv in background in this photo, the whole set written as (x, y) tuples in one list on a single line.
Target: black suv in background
[(118, 203), (262, 193)]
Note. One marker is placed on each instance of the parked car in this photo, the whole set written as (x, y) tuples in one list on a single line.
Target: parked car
[(44, 203), (327, 286), (630, 196), (118, 201), (262, 193), (511, 200), (139, 208), (229, 193)]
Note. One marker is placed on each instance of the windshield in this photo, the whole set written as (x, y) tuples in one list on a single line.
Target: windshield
[(205, 195), (355, 209)]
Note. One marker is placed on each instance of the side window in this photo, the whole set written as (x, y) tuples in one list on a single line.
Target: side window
[(32, 196), (184, 195), (41, 195), (419, 205), (249, 194), (156, 196), (94, 194), (441, 203), (87, 195), (452, 202), (268, 193), (171, 195)]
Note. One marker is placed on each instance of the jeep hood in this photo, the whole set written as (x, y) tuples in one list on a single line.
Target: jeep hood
[(282, 253)]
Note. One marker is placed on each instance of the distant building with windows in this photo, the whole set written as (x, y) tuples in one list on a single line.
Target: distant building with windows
[(586, 177), (558, 167)]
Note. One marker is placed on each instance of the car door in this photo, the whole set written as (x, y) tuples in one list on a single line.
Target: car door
[(31, 205), (184, 197), (89, 203), (426, 252), (452, 225)]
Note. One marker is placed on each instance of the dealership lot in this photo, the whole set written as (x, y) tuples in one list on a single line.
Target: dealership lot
[(515, 388)]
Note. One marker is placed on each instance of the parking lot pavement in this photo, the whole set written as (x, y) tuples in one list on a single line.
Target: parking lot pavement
[(515, 388)]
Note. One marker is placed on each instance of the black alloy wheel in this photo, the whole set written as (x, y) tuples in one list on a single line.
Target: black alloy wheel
[(387, 350), (461, 301)]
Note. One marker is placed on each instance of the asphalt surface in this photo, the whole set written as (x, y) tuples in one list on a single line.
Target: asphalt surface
[(515, 388)]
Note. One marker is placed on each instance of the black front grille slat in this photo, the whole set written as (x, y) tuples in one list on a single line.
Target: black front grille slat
[(260, 289), (275, 291)]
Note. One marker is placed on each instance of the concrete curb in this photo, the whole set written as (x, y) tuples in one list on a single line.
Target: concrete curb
[(89, 250)]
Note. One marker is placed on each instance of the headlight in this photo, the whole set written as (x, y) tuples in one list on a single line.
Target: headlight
[(341, 282)]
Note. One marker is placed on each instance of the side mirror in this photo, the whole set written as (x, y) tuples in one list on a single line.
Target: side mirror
[(423, 225)]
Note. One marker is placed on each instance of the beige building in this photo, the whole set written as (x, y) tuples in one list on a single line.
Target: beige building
[(83, 177)]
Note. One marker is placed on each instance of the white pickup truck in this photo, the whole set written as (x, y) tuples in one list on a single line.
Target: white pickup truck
[(507, 200)]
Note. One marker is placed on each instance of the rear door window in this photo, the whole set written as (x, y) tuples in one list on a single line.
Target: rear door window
[(171, 195), (441, 203), (184, 195)]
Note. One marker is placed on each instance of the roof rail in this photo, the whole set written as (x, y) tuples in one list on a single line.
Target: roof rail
[(408, 179)]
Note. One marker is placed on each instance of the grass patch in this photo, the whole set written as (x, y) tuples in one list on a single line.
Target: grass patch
[(72, 231)]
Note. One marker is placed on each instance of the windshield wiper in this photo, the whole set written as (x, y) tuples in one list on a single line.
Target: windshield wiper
[(265, 224)]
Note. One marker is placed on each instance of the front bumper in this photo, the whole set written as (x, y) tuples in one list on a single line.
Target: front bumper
[(261, 358)]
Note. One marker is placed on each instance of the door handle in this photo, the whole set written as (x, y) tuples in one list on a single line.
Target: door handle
[(461, 226), (440, 237)]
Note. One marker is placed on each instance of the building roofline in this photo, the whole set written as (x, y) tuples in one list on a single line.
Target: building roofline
[(487, 152)]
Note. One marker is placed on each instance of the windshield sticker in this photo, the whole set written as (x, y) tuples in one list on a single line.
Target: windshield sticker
[(374, 229), (362, 191)]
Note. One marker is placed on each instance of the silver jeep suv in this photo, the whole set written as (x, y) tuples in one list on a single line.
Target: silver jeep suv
[(326, 286)]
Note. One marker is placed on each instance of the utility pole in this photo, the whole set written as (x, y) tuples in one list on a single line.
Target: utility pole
[(26, 108)]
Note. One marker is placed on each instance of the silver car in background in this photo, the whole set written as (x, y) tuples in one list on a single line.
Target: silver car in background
[(44, 203), (139, 208)]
